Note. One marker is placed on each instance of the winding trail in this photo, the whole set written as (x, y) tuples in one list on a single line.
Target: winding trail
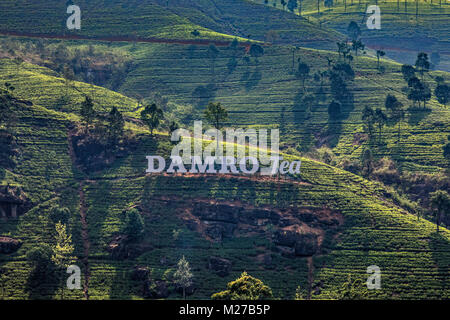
[(83, 220), (310, 275), (86, 243)]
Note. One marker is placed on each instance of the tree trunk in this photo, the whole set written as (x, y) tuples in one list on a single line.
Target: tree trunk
[(438, 220), (417, 9), (62, 288), (379, 137), (399, 130), (184, 293), (293, 61)]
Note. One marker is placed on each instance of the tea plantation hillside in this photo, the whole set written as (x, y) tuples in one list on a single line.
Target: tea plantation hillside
[(269, 89), (191, 20), (402, 34), (266, 91), (355, 222)]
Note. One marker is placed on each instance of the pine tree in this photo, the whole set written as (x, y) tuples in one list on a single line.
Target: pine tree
[(115, 124), (87, 112), (440, 202)]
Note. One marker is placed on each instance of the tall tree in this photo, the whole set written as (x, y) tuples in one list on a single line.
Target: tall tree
[(87, 112), (152, 116), (6, 105), (396, 112), (381, 119), (183, 275), (368, 118), (303, 72), (415, 90), (422, 63), (62, 250), (440, 202), (357, 45), (380, 53), (442, 93), (408, 72), (134, 225), (367, 163), (116, 124), (417, 9), (216, 115), (68, 76)]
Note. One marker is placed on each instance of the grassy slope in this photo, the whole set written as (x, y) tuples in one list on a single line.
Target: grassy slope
[(414, 261)]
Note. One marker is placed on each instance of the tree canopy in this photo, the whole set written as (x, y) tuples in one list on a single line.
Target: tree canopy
[(245, 287)]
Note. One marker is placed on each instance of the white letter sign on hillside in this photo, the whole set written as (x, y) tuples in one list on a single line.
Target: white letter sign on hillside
[(74, 21), (247, 152)]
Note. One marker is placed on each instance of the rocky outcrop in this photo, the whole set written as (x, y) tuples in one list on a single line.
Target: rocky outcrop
[(9, 245), (295, 231), (140, 273), (158, 290), (220, 266), (299, 243), (118, 248), (121, 248)]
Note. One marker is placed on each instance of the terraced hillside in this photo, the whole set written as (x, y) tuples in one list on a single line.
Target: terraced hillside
[(268, 90), (355, 222), (309, 232), (186, 20), (402, 34)]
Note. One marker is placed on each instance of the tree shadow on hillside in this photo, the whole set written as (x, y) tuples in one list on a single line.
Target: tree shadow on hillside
[(440, 247), (202, 95), (97, 214), (335, 123), (121, 284), (42, 285), (416, 115), (298, 108), (253, 79)]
